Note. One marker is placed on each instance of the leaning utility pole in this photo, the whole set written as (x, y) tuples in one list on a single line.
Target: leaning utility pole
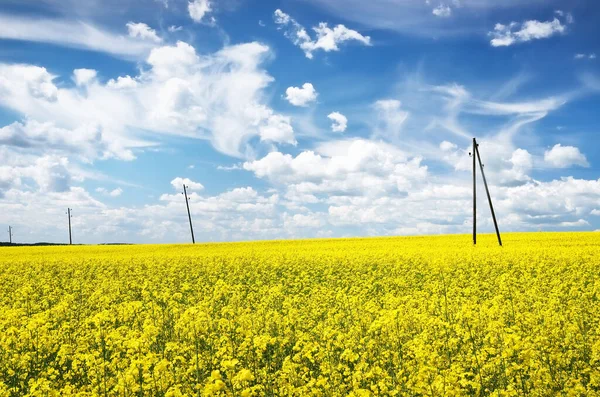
[(487, 191), (10, 234), (187, 204), (69, 215)]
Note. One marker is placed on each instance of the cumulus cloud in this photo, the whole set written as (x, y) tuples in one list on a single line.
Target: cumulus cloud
[(218, 97), (84, 76), (442, 11), (327, 39), (178, 183), (50, 173), (86, 141), (302, 221), (368, 167), (278, 128), (199, 9), (565, 156), (122, 82), (339, 122), (301, 96), (513, 33), (142, 31)]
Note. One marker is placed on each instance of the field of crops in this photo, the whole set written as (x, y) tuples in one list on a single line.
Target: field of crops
[(415, 316)]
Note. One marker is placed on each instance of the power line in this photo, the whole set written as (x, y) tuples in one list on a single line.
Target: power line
[(187, 204)]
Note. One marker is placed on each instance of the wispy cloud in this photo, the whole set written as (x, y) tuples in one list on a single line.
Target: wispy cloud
[(142, 31), (72, 33), (433, 18), (110, 193), (585, 56)]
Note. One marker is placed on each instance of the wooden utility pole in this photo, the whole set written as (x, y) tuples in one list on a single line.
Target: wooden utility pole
[(487, 191), (69, 215), (187, 204), (474, 195)]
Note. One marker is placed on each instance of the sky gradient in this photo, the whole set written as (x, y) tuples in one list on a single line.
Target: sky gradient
[(295, 118)]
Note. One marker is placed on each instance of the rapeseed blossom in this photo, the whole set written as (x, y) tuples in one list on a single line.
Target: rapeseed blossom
[(414, 316)]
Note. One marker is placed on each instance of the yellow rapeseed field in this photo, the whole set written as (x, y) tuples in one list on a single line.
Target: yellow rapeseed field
[(414, 316)]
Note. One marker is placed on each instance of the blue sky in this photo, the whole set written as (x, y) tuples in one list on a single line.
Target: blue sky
[(295, 118)]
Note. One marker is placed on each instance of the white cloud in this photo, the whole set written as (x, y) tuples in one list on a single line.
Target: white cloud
[(122, 82), (112, 193), (71, 33), (569, 18), (522, 163), (301, 96), (339, 122), (33, 81), (327, 39), (142, 31), (50, 173), (178, 183), (414, 17), (532, 107), (595, 212), (219, 97), (565, 156), (232, 215), (278, 129), (391, 117), (86, 141), (442, 11), (198, 9), (447, 146), (345, 166), (348, 186), (506, 35), (303, 221), (174, 28), (585, 56), (84, 76)]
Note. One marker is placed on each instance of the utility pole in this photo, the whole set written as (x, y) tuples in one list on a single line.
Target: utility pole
[(474, 196), (10, 234), (187, 204), (69, 215), (487, 191)]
